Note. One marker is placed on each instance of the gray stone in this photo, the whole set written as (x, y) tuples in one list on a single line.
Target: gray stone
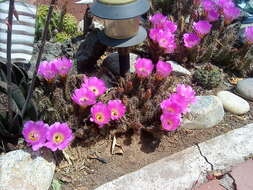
[(205, 113), (21, 170), (233, 103), (229, 149), (90, 50), (245, 88), (112, 62), (176, 172), (178, 69)]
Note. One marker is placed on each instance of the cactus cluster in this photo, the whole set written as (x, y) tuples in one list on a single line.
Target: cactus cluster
[(208, 77)]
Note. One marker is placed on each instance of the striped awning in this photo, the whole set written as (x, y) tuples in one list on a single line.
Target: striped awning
[(23, 31)]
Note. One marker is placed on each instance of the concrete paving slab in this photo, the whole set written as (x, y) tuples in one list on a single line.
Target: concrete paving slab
[(229, 149), (183, 170), (211, 185), (177, 172)]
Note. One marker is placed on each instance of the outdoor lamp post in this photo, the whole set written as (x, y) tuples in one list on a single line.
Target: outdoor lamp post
[(121, 26)]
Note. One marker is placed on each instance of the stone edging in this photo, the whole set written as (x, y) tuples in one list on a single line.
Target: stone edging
[(181, 171)]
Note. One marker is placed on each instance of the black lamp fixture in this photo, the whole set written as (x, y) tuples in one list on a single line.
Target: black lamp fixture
[(122, 27)]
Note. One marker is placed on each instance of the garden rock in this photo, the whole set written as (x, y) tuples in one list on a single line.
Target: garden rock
[(233, 103), (112, 62), (90, 50), (205, 113), (245, 88), (178, 69), (25, 170)]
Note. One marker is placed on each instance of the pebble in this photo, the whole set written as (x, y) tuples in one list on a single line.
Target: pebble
[(245, 88), (178, 69), (25, 170), (233, 103), (205, 113)]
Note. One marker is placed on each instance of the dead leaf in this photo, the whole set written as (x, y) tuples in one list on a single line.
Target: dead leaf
[(234, 80)]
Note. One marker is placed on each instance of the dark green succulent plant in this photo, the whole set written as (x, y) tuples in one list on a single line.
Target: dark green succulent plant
[(208, 77), (19, 86)]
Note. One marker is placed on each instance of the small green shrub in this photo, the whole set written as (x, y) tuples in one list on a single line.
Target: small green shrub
[(208, 77), (69, 24), (62, 36)]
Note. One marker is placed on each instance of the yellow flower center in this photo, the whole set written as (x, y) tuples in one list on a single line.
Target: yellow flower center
[(58, 138), (33, 136), (100, 117), (83, 99), (94, 90), (170, 109), (115, 112), (170, 122)]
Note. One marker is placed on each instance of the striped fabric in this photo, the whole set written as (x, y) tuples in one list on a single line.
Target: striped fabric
[(23, 32)]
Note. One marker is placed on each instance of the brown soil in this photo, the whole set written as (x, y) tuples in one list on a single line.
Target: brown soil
[(91, 163)]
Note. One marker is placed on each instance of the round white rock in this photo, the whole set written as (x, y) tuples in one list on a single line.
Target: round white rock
[(233, 103)]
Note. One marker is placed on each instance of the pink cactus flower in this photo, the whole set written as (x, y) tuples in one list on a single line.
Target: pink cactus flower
[(231, 14), (187, 93), (202, 27), (35, 134), (213, 15), (143, 67), (117, 109), (208, 5), (100, 114), (84, 97), (249, 34), (63, 66), (191, 40), (225, 3), (170, 26), (166, 40), (59, 136), (181, 101), (154, 32), (163, 69), (170, 105), (170, 122), (158, 20), (97, 86), (47, 70)]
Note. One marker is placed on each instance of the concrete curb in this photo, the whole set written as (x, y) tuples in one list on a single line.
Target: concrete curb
[(184, 169)]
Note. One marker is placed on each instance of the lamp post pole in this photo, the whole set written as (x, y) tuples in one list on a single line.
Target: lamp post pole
[(124, 60)]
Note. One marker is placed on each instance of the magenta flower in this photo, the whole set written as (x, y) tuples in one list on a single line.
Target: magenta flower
[(225, 3), (35, 134), (158, 20), (83, 97), (97, 86), (100, 114), (170, 105), (163, 69), (59, 136), (166, 40), (187, 93), (153, 33), (47, 70), (230, 14), (202, 27), (213, 15), (170, 26), (208, 5), (117, 109), (170, 122), (143, 67), (181, 101), (63, 66), (249, 34), (191, 40)]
